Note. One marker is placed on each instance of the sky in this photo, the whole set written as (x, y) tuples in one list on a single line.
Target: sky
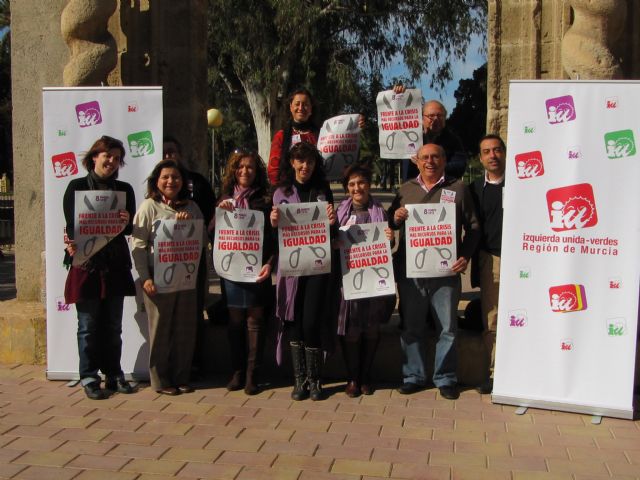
[(461, 70)]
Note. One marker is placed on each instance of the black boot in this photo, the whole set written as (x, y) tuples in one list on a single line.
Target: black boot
[(300, 387), (238, 352), (351, 354), (368, 349), (254, 359), (314, 366)]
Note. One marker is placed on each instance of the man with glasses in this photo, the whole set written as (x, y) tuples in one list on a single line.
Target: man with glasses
[(434, 130), (487, 196), (438, 294)]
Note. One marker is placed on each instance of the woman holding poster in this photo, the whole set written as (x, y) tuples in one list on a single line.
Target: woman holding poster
[(300, 128), (245, 186), (98, 285), (359, 320), (172, 316), (303, 304)]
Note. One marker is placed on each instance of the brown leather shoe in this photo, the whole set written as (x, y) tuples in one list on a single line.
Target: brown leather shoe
[(173, 391), (186, 389), (353, 389), (367, 389)]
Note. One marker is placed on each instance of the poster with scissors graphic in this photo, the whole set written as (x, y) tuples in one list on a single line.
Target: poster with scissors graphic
[(303, 239), (177, 248), (430, 240), (339, 142), (237, 247), (365, 258), (97, 221), (399, 123)]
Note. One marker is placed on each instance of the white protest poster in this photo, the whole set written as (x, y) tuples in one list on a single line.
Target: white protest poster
[(339, 143), (399, 123), (569, 280), (365, 259), (73, 119), (430, 240), (177, 247), (97, 221), (303, 239), (237, 248)]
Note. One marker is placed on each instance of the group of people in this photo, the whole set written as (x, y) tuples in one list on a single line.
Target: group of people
[(311, 309)]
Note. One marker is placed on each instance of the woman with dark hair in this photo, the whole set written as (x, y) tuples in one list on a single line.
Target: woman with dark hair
[(245, 186), (359, 320), (300, 128), (99, 285), (172, 316), (304, 304)]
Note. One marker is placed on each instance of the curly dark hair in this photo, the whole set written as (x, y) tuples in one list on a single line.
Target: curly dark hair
[(103, 144), (304, 151), (152, 180), (356, 169), (229, 179)]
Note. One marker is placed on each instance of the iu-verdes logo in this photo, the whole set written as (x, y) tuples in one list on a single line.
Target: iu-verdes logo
[(64, 164), (529, 164), (141, 144), (88, 114), (517, 318), (560, 109), (566, 345), (620, 144), (572, 207), (616, 327), (567, 298)]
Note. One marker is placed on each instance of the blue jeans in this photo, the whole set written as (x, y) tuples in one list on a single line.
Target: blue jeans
[(100, 338), (417, 295)]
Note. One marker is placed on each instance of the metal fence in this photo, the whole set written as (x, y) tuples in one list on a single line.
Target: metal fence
[(7, 235)]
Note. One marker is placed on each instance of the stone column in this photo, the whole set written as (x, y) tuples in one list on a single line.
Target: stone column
[(93, 49), (586, 52)]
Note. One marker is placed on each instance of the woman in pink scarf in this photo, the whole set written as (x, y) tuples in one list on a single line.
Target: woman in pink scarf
[(244, 186)]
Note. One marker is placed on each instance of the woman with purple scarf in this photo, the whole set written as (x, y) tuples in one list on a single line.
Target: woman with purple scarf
[(244, 186), (303, 304), (359, 320)]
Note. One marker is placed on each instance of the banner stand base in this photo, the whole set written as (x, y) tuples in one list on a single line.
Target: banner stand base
[(564, 407)]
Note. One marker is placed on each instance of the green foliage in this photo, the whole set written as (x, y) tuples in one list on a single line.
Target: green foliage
[(337, 48), (469, 117)]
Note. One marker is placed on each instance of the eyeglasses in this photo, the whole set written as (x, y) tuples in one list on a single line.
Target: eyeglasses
[(433, 116)]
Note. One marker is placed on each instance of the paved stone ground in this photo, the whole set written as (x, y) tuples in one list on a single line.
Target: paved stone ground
[(51, 431)]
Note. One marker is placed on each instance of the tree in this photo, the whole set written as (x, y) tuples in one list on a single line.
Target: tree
[(5, 88), (265, 48), (469, 117)]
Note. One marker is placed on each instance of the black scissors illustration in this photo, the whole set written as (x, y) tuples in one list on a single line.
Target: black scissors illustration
[(319, 252), (391, 138), (382, 272), (411, 135), (444, 253), (171, 270), (294, 258), (420, 258), (89, 246), (358, 278), (250, 258)]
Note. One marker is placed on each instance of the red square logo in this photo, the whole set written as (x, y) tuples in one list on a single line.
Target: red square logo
[(572, 207), (64, 164), (529, 164), (567, 298)]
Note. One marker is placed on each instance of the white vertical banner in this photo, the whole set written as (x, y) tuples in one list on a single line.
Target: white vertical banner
[(568, 312), (73, 119)]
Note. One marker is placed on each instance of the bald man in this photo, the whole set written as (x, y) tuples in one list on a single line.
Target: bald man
[(438, 294)]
